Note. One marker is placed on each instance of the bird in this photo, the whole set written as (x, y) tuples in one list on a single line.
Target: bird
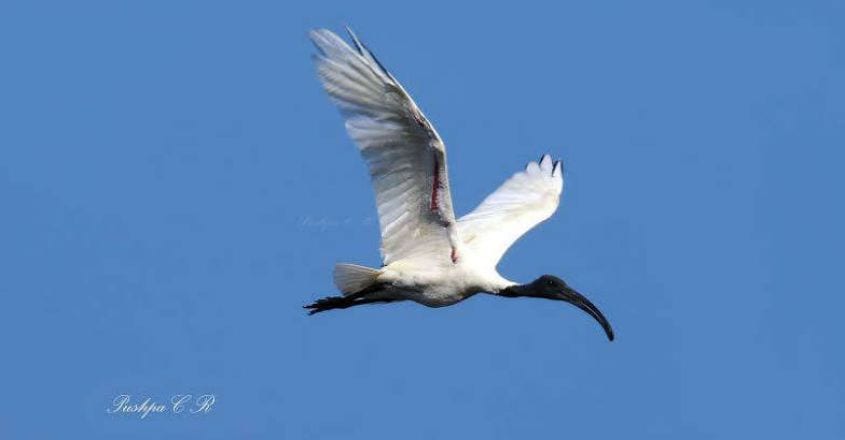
[(429, 256)]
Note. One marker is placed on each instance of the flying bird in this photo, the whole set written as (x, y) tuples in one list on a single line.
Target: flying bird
[(429, 256)]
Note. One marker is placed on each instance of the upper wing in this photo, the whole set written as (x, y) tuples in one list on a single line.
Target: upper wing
[(405, 155), (523, 201)]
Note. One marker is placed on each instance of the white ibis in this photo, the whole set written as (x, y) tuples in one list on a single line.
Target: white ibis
[(430, 257)]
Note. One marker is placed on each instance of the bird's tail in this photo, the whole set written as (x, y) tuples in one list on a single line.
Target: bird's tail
[(352, 278)]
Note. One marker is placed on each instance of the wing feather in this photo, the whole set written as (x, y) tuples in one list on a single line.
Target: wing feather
[(519, 204), (405, 155)]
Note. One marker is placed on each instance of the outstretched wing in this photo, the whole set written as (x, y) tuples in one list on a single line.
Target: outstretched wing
[(405, 155), (523, 201)]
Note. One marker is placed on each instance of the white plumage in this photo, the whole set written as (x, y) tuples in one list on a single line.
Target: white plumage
[(429, 256), (405, 155), (523, 201)]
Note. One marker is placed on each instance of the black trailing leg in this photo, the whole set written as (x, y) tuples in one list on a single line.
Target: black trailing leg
[(343, 302)]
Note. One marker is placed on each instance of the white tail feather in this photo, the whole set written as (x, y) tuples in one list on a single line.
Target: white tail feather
[(352, 278)]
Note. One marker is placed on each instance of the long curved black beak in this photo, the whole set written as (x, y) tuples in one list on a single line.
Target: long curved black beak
[(580, 301)]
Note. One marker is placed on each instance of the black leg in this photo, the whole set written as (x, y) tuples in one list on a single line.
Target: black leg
[(342, 302)]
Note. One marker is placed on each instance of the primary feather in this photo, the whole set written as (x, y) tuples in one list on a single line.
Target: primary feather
[(405, 155), (523, 201)]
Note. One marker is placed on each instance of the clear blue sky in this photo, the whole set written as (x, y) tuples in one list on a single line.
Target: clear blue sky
[(175, 186)]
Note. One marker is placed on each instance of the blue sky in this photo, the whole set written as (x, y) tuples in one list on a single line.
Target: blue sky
[(176, 186)]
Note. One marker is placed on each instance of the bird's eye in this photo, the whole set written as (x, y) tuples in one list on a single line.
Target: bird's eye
[(550, 283)]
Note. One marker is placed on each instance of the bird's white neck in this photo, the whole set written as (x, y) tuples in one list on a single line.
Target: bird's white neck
[(497, 283)]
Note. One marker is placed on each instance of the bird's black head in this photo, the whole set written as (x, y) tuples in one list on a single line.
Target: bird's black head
[(552, 287)]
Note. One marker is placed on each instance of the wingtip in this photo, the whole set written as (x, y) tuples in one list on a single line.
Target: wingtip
[(321, 38), (546, 163), (349, 31), (317, 33), (532, 167), (358, 46)]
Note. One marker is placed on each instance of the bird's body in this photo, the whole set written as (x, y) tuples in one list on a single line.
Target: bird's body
[(430, 256), (444, 284)]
